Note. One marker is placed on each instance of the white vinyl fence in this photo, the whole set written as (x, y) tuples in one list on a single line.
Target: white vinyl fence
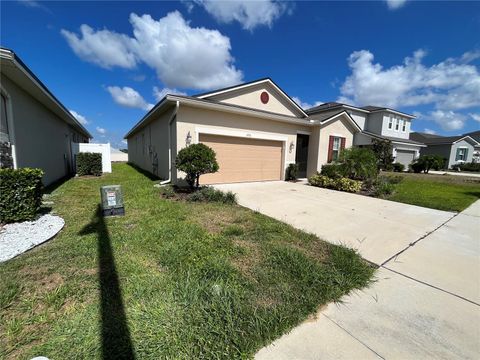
[(103, 149)]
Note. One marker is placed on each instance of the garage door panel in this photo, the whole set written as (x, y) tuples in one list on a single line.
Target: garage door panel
[(243, 159), (405, 157)]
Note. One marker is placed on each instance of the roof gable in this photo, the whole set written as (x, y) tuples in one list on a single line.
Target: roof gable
[(250, 95)]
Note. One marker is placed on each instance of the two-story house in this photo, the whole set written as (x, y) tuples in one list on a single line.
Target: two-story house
[(377, 123)]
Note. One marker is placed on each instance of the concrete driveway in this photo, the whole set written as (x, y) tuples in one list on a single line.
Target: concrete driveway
[(425, 302)]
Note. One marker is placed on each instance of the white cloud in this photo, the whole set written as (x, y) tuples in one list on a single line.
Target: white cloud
[(128, 97), (159, 94), (34, 4), (395, 4), (81, 119), (448, 120), (450, 85), (249, 14), (429, 131), (124, 142), (100, 130), (182, 56), (104, 48), (305, 105), (475, 117)]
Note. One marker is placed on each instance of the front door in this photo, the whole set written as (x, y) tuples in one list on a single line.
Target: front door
[(301, 155)]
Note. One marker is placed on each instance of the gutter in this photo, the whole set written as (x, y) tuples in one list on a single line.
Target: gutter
[(172, 118)]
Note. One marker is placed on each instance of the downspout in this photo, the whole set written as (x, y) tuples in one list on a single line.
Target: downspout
[(174, 115)]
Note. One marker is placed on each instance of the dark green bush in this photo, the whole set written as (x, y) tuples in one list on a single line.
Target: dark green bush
[(20, 194), (358, 163), (398, 167), (332, 170), (291, 172), (473, 167), (426, 162), (89, 164), (196, 160), (208, 194)]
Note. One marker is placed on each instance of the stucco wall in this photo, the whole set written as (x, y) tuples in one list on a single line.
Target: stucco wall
[(148, 147), (340, 127), (359, 117), (41, 139), (250, 97), (190, 119)]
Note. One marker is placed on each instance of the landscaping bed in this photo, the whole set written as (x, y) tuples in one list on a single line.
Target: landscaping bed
[(171, 279)]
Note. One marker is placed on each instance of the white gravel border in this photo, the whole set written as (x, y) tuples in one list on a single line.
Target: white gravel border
[(17, 238)]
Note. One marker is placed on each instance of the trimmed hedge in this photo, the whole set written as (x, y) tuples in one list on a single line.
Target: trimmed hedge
[(473, 167), (89, 164), (20, 194), (291, 172), (341, 184), (398, 167)]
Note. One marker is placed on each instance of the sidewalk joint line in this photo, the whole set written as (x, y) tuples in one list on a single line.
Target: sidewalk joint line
[(416, 241), (353, 336), (432, 286)]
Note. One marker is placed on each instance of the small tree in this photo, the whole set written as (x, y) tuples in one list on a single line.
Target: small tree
[(383, 151), (196, 160), (426, 162)]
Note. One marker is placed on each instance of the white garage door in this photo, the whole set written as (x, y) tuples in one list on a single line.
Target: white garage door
[(405, 157), (243, 159)]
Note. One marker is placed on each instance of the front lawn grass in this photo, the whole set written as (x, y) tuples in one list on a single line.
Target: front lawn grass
[(442, 192), (169, 280)]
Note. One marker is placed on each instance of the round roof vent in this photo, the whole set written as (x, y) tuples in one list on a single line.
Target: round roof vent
[(264, 97)]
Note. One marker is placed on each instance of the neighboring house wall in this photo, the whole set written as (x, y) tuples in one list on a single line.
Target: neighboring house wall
[(193, 121), (359, 117), (375, 123), (398, 121), (148, 147), (250, 97), (455, 147), (42, 139), (338, 128), (441, 150)]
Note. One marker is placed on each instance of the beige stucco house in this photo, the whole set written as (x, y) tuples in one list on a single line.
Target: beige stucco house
[(255, 128), (36, 129)]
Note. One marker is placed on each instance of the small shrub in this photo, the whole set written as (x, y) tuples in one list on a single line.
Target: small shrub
[(332, 170), (426, 162), (291, 172), (340, 184), (20, 194), (383, 188), (208, 194), (383, 152), (416, 167), (89, 164), (196, 160), (473, 167), (398, 167), (358, 163)]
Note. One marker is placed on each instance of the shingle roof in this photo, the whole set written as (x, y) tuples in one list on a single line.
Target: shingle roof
[(325, 106), (394, 139), (373, 108), (435, 140), (474, 135)]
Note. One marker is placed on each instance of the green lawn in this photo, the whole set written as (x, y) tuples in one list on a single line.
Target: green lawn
[(443, 192), (170, 280)]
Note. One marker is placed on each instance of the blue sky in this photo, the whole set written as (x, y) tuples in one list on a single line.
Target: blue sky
[(110, 61)]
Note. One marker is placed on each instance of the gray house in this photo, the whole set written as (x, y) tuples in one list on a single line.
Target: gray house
[(455, 149), (36, 129), (377, 122)]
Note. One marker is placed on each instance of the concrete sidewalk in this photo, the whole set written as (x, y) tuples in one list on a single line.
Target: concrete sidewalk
[(425, 302)]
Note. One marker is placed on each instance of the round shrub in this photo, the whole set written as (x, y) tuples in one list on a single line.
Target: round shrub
[(196, 160), (291, 172)]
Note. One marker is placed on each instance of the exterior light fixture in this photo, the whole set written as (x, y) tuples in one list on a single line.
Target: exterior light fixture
[(112, 200), (188, 140), (292, 146)]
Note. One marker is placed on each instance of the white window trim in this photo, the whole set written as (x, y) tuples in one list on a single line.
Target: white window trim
[(397, 124), (404, 125), (390, 122), (11, 127)]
